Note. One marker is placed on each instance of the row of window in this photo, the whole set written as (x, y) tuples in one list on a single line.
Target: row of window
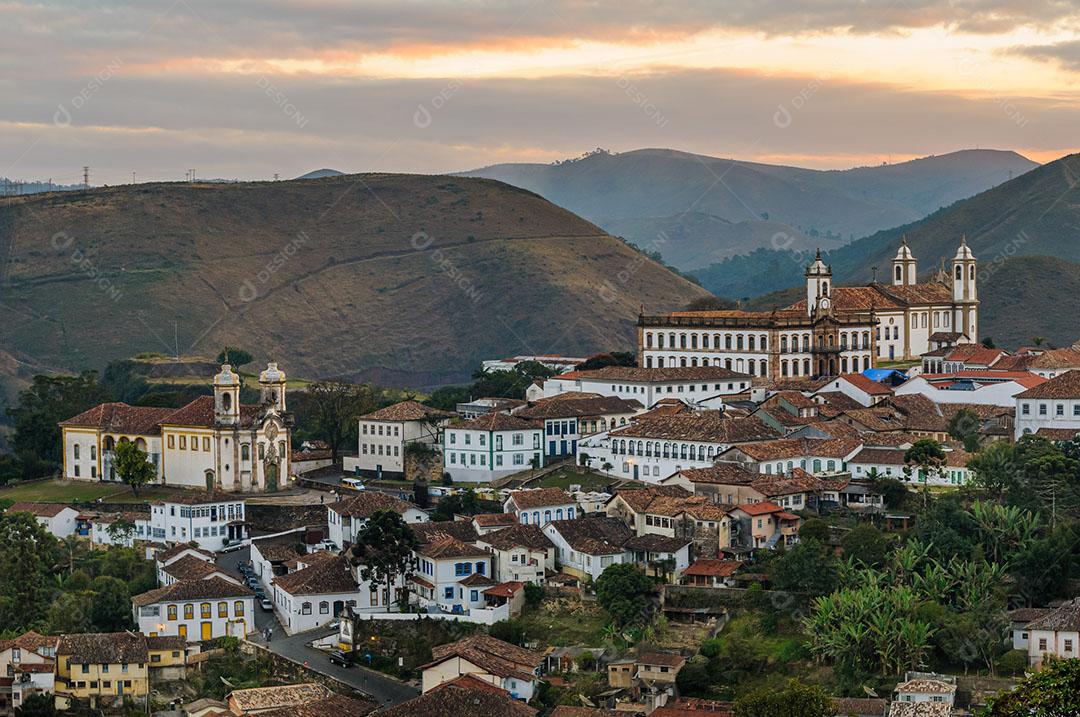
[(105, 684), (369, 429), (651, 449), (749, 366), (370, 449), (518, 459), (729, 342), (205, 610), (516, 439), (548, 516), (561, 428), (690, 387), (1059, 409), (213, 512)]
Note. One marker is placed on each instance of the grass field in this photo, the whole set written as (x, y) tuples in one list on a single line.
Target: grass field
[(566, 621), (567, 477), (68, 491)]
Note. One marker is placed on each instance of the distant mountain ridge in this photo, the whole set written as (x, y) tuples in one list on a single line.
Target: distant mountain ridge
[(405, 279), (708, 208)]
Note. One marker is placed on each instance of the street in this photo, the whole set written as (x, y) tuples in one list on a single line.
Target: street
[(386, 690)]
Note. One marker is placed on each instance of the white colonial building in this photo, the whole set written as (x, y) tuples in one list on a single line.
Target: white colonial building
[(704, 385), (213, 442), (346, 517), (834, 330), (1052, 408), (384, 434), (491, 446), (196, 610), (209, 520)]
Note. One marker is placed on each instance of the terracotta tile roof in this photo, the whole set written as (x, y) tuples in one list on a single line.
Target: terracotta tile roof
[(1058, 434), (333, 706), (489, 520), (30, 640), (258, 699), (654, 543), (880, 456), (1066, 385), (459, 698), (569, 408), (569, 711), (858, 298), (867, 385), (169, 553), (762, 508), (190, 567), (663, 408), (776, 485), (431, 532), (199, 413), (1027, 614), (1066, 358), (526, 536), (333, 575), (119, 417), (719, 474), (594, 534), (365, 504), (476, 580), (835, 428), (799, 447), (40, 510), (700, 426), (859, 706), (975, 354), (707, 510), (450, 547), (166, 642), (661, 659), (691, 707), (209, 588), (919, 709), (201, 497), (104, 648), (878, 418), (634, 374), (506, 590), (914, 294), (639, 499), (713, 568), (497, 657), (540, 497), (407, 411), (927, 687), (794, 398), (496, 421), (1063, 619), (837, 400)]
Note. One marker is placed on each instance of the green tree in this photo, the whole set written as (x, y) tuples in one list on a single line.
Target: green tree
[(866, 544), (47, 401), (120, 531), (71, 613), (37, 704), (892, 491), (1054, 691), (693, 679), (964, 426), (28, 559), (384, 549), (795, 700), (234, 357), (807, 567), (814, 529), (111, 609), (330, 410), (133, 466), (926, 456), (994, 469), (625, 593)]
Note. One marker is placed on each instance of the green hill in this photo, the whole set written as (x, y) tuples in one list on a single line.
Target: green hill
[(398, 278)]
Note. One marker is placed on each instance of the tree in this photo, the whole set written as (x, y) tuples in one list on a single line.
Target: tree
[(814, 529), (71, 613), (37, 704), (614, 358), (625, 593), (120, 531), (28, 558), (927, 456), (461, 503), (111, 608), (1052, 692), (234, 357), (806, 567), (331, 410), (866, 544), (384, 549), (892, 491), (988, 342), (795, 700), (49, 400), (994, 469), (133, 466), (964, 426)]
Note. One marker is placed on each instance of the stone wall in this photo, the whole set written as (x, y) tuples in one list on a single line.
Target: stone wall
[(290, 671), (274, 518)]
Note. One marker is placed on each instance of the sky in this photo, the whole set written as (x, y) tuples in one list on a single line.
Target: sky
[(246, 89)]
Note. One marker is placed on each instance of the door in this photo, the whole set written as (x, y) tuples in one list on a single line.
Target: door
[(635, 471), (551, 448), (182, 631), (562, 448), (207, 631), (892, 353)]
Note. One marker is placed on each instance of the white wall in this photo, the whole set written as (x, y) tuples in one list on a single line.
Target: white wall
[(154, 619), (1035, 413), (481, 456), (995, 394)]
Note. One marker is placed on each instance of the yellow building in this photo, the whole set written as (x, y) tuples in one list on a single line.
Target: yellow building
[(102, 668)]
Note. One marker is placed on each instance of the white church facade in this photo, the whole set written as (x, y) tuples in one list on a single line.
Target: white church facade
[(213, 443), (835, 330)]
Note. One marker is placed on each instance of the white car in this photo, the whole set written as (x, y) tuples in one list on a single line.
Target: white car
[(353, 484)]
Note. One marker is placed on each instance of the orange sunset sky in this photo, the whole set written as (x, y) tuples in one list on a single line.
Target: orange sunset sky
[(249, 89)]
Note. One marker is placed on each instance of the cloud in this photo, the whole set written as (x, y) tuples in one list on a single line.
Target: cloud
[(1065, 53)]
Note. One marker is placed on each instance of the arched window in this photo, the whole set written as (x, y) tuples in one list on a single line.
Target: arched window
[(750, 341), (693, 341), (682, 362), (659, 341), (727, 341), (226, 401), (750, 364), (825, 288), (305, 608), (739, 342), (693, 361), (971, 273), (682, 341), (783, 344), (716, 341), (898, 272), (76, 451), (959, 272), (667, 450), (783, 368), (764, 366), (727, 364), (682, 451)]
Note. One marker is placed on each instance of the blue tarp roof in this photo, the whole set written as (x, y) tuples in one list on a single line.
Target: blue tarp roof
[(882, 375)]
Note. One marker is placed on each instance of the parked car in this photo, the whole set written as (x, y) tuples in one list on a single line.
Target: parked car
[(353, 484), (340, 657), (266, 605)]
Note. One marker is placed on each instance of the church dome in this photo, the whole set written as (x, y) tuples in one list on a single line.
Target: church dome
[(818, 267), (272, 374), (963, 252), (227, 377), (904, 252)]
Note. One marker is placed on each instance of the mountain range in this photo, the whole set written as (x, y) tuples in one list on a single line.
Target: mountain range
[(404, 279), (1025, 234), (697, 210)]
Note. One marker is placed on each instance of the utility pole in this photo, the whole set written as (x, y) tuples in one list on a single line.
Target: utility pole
[(86, 177), (192, 173), (133, 178)]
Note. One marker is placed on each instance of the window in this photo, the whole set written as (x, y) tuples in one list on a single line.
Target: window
[(204, 610), (189, 611), (76, 451), (172, 442), (1042, 644), (305, 608), (183, 443), (245, 451), (324, 607), (238, 608), (448, 593), (206, 443), (223, 609)]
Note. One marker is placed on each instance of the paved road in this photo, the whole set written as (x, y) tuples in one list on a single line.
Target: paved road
[(387, 691)]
